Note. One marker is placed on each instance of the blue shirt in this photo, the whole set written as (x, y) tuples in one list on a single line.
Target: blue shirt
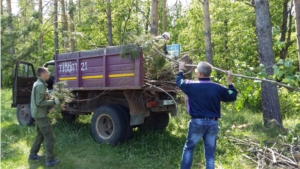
[(205, 96)]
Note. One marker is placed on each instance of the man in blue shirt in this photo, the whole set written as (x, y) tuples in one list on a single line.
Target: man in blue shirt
[(204, 99)]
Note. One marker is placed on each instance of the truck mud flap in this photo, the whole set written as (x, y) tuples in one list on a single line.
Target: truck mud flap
[(138, 111)]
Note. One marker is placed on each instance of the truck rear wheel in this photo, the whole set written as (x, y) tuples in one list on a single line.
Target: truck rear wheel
[(156, 122), (125, 112), (24, 115), (108, 125)]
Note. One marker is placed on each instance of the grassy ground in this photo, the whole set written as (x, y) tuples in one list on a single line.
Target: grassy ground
[(76, 148)]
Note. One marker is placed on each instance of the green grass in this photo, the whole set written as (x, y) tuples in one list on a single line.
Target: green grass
[(76, 148)]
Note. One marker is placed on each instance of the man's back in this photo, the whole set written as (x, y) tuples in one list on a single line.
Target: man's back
[(204, 96)]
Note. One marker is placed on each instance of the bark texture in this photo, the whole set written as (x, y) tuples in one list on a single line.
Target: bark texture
[(109, 24), (154, 17), (56, 50), (207, 33), (297, 17), (270, 101)]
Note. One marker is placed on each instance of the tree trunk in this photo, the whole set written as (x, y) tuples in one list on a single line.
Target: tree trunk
[(41, 39), (56, 50), (137, 16), (10, 26), (288, 41), (270, 101), (154, 17), (285, 15), (109, 24), (2, 44), (147, 23), (164, 15), (1, 7), (297, 16), (207, 34), (64, 19), (79, 14), (72, 9)]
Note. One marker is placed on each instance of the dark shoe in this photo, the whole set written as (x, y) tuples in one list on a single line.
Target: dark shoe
[(34, 157), (52, 163)]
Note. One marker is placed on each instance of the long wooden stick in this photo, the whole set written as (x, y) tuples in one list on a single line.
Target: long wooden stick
[(237, 75)]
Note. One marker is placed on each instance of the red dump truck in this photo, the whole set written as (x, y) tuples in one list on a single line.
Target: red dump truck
[(105, 84)]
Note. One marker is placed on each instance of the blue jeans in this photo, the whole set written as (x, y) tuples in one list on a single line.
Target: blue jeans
[(200, 128)]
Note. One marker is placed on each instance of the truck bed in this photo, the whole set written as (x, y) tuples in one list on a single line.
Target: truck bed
[(100, 69)]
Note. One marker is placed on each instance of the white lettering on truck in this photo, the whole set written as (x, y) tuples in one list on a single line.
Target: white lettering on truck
[(71, 67)]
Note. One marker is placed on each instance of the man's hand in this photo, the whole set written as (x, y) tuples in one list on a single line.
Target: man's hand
[(229, 77), (181, 66), (56, 101)]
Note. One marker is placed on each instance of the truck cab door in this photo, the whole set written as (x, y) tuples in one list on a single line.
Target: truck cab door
[(23, 78)]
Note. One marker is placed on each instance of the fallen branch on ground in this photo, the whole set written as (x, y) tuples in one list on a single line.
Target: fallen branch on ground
[(265, 157)]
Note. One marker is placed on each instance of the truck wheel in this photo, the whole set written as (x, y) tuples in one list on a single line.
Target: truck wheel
[(156, 122), (125, 112), (69, 117), (108, 125), (24, 115)]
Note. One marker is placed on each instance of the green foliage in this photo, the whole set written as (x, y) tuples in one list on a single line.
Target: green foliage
[(63, 94), (285, 71)]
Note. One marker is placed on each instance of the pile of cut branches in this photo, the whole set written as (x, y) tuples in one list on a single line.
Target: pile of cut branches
[(279, 155), (156, 66), (158, 70)]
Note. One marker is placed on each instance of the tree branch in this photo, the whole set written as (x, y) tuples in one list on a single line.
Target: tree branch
[(237, 75)]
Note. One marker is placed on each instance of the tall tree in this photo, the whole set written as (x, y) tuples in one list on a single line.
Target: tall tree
[(154, 17), (207, 33), (297, 16), (109, 24), (164, 15), (72, 9), (64, 19), (2, 44), (56, 50), (10, 26), (147, 17), (285, 15), (270, 101), (41, 34)]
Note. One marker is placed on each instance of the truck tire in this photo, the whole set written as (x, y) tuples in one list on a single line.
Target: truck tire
[(24, 115), (156, 122), (125, 112), (108, 125), (69, 117)]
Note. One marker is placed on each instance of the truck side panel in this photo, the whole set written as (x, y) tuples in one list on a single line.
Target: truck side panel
[(100, 69)]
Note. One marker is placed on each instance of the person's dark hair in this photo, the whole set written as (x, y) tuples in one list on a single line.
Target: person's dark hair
[(41, 70), (204, 68)]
